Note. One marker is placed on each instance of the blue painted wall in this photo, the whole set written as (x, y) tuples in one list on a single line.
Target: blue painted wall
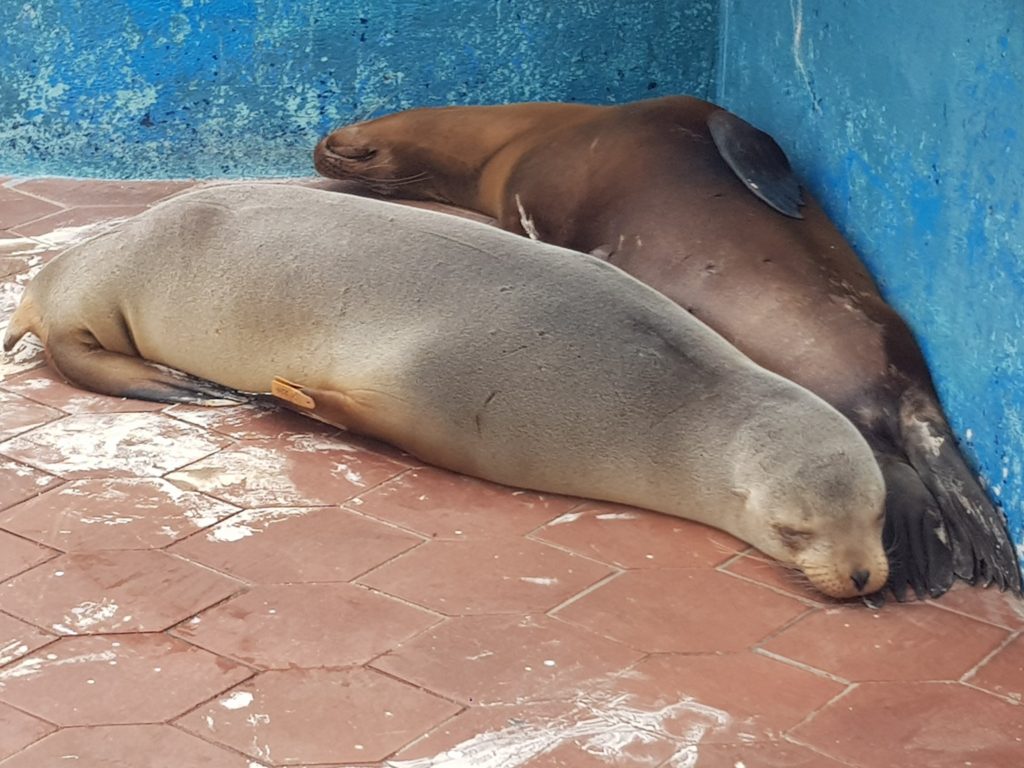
[(180, 88), (905, 117)]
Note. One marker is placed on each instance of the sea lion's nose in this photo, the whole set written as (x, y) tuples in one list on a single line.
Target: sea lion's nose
[(860, 578)]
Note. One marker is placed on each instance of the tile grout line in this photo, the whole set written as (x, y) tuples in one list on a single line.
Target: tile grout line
[(801, 665), (937, 602), (583, 593), (810, 602), (809, 717)]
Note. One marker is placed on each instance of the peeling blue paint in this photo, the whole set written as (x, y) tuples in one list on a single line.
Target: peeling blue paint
[(905, 119), (182, 88)]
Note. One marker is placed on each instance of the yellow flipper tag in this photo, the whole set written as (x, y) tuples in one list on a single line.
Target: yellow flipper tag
[(292, 393)]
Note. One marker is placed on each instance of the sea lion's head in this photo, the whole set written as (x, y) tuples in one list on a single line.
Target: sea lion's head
[(816, 501), (387, 156), (434, 153)]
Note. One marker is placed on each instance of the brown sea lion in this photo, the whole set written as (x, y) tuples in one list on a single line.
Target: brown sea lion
[(662, 189), (476, 350)]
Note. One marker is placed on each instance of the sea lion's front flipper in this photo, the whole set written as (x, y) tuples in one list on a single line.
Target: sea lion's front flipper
[(758, 161), (915, 536), (80, 359), (983, 552)]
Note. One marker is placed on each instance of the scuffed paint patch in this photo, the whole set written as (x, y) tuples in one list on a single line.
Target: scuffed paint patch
[(603, 725), (192, 92)]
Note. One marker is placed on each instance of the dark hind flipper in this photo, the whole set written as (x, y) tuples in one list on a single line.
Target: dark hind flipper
[(982, 550), (80, 359), (758, 161), (915, 537)]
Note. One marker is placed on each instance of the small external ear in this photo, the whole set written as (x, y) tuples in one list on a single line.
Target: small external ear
[(743, 493)]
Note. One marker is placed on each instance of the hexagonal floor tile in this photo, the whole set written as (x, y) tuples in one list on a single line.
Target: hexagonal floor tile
[(904, 642), (144, 678), (761, 696), (20, 256), (938, 725), (18, 638), (253, 421), (761, 570), (18, 415), (1003, 674), (16, 208), (17, 555), (129, 513), (319, 716), (764, 754), (28, 355), (635, 538), (506, 659), (123, 746), (77, 217), (1004, 609), (590, 730), (45, 386), (445, 505), (486, 575), (296, 544), (681, 610), (18, 730), (315, 471), (117, 591), (71, 192), (112, 445), (19, 482), (309, 625)]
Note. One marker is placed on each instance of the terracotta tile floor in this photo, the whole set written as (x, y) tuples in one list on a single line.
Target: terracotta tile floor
[(243, 587)]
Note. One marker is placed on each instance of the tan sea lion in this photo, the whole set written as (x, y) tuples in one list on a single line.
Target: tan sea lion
[(476, 350), (662, 189)]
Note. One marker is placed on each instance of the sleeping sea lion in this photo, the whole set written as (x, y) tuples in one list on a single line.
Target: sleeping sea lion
[(699, 204), (474, 349)]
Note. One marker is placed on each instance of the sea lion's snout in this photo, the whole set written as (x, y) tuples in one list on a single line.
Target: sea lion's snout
[(830, 574), (340, 154), (860, 578)]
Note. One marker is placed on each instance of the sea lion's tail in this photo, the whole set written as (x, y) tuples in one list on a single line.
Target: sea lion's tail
[(978, 537), (22, 321)]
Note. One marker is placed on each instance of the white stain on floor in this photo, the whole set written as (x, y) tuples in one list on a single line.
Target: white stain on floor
[(236, 700), (35, 664), (251, 522), (263, 474), (12, 651), (543, 581), (86, 615), (138, 444), (604, 725), (568, 517), (617, 516)]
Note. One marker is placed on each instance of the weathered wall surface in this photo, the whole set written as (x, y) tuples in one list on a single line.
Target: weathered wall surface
[(905, 117), (179, 88)]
